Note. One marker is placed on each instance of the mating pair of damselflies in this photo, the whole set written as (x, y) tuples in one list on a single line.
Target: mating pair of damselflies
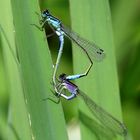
[(93, 53)]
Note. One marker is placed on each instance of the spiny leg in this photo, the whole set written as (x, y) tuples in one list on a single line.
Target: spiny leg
[(38, 27), (57, 100), (57, 94), (40, 21)]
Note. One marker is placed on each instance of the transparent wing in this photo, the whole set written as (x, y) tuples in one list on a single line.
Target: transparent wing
[(104, 117), (99, 130), (94, 52)]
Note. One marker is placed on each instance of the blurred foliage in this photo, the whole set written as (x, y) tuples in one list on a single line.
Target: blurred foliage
[(126, 26)]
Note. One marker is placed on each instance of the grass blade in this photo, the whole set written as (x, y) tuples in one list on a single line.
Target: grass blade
[(44, 120), (92, 20)]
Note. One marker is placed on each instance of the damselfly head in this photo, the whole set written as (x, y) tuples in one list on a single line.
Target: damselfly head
[(62, 76), (45, 14)]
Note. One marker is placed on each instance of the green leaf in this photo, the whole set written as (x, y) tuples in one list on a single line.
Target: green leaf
[(92, 21), (30, 81)]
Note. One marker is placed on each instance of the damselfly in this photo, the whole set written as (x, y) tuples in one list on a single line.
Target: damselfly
[(92, 51), (107, 120)]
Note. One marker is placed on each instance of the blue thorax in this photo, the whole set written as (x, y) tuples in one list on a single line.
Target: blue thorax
[(52, 21)]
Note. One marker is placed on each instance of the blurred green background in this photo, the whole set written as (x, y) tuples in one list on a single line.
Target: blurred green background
[(126, 27)]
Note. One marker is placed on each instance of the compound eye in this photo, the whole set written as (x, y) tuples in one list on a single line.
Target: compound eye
[(46, 12)]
